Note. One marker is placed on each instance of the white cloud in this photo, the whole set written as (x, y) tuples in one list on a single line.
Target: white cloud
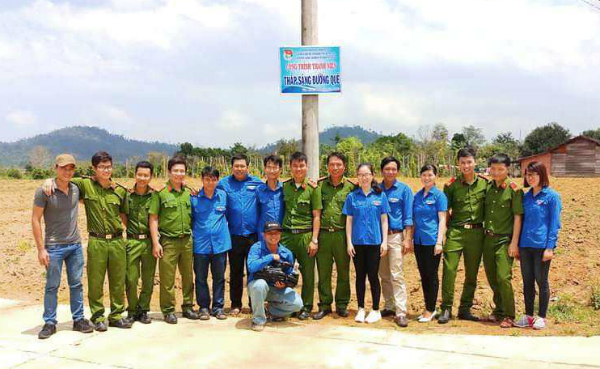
[(21, 117)]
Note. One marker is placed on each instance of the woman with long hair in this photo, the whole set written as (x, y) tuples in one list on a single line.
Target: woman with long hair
[(366, 209)]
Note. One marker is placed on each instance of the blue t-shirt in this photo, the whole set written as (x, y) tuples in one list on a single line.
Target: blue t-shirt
[(425, 215), (242, 210), (541, 219), (400, 198), (366, 216), (259, 257), (209, 224), (270, 206)]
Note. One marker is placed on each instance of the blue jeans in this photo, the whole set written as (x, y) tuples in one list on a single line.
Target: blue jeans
[(217, 263), (72, 255), (282, 301)]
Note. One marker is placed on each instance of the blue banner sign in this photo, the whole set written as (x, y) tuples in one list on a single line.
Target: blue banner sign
[(310, 70)]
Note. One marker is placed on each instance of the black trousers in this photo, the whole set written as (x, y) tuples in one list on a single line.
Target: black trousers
[(240, 246), (534, 270), (428, 265), (366, 263)]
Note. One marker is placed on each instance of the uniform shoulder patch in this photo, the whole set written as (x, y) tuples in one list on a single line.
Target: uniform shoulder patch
[(514, 186), (450, 181)]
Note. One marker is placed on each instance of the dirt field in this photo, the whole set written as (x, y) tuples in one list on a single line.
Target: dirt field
[(574, 276)]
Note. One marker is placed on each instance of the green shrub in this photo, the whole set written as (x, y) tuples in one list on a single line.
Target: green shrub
[(595, 297), (14, 173)]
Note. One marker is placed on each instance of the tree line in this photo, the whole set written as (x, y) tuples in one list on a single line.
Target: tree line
[(431, 144)]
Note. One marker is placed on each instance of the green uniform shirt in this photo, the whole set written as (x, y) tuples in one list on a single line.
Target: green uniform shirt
[(333, 198), (466, 201), (174, 211), (299, 204), (502, 203), (137, 217), (102, 205)]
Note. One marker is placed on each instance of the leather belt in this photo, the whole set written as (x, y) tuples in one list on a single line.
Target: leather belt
[(395, 231), (106, 236), (471, 226), (332, 229), (139, 236), (492, 234), (297, 231)]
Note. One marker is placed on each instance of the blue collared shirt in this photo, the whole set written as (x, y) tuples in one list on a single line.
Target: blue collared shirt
[(242, 209), (366, 216), (541, 219), (259, 257), (270, 206), (209, 224), (400, 198), (425, 213)]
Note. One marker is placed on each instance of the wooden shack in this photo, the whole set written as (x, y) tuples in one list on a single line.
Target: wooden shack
[(578, 157)]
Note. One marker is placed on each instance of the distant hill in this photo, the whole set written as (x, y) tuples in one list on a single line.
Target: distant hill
[(327, 137), (82, 142)]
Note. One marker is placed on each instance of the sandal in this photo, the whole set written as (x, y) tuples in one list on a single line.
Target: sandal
[(204, 314), (507, 323), (220, 315)]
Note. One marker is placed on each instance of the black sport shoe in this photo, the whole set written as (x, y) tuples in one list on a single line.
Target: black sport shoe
[(144, 318), (83, 326), (191, 314), (47, 331), (170, 318), (468, 316), (121, 323), (100, 326), (445, 317), (304, 315), (342, 313)]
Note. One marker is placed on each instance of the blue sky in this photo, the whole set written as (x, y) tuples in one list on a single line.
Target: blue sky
[(207, 71)]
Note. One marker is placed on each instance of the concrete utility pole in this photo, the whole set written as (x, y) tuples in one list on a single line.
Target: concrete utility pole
[(310, 103)]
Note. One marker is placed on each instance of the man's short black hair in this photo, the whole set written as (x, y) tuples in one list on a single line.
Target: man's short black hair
[(144, 164), (390, 159), (101, 156), (275, 159), (499, 158), (338, 155), (299, 156), (209, 171), (177, 159), (239, 156), (466, 153)]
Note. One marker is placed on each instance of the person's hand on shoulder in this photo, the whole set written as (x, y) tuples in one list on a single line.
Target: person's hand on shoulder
[(48, 187)]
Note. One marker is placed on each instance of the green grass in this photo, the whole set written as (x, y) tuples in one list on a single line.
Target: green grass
[(569, 310), (595, 296), (23, 246)]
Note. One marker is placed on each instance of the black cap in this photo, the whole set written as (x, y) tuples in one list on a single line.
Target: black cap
[(272, 226)]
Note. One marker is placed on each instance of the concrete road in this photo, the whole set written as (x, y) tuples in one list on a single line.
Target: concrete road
[(292, 344)]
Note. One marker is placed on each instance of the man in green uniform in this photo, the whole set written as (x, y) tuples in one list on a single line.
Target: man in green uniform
[(332, 238), (466, 198), (503, 217), (139, 246), (105, 209), (170, 228), (301, 223)]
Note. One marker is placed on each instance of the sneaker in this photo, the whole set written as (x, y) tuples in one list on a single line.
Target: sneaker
[(525, 321), (374, 316), (83, 326), (539, 323), (47, 331), (360, 316), (258, 327)]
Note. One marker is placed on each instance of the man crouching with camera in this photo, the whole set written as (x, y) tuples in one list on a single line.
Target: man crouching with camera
[(271, 279)]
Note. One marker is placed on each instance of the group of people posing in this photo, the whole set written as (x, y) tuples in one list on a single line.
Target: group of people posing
[(250, 224)]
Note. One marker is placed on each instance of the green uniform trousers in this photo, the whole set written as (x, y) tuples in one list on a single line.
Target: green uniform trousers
[(177, 252), (139, 256), (470, 243), (332, 248), (498, 269), (298, 245), (106, 255)]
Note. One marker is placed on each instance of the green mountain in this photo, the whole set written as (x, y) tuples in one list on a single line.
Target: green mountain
[(82, 142), (328, 136)]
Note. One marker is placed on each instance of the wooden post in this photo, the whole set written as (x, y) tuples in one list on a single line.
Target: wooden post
[(310, 103)]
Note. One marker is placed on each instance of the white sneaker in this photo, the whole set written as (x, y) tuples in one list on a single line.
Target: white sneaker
[(422, 319), (525, 321), (374, 316), (539, 323), (360, 316)]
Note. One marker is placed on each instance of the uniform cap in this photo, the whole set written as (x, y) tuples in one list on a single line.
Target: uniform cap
[(64, 160), (272, 226)]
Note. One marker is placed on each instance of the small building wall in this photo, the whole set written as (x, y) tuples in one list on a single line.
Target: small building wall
[(580, 160)]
